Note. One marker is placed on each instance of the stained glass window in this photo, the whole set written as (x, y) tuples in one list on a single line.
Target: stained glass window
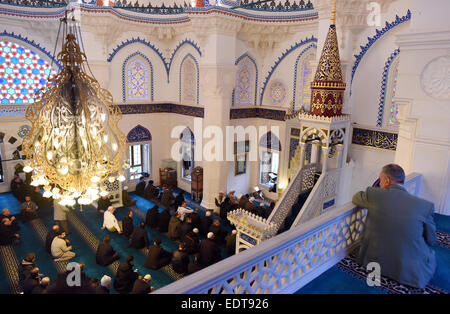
[(189, 81), (394, 107), (306, 79), (277, 93), (22, 73), (137, 78), (244, 83)]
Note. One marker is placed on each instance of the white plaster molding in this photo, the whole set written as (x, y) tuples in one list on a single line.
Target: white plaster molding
[(435, 78), (431, 39)]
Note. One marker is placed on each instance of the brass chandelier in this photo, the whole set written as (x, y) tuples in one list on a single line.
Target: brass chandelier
[(74, 144)]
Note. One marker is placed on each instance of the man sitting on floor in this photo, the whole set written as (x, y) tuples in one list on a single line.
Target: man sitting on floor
[(127, 224), (8, 234), (110, 222), (31, 282), (59, 248), (180, 260), (142, 285), (151, 191), (163, 221), (157, 257), (105, 285), (139, 237), (126, 200), (205, 223), (174, 227), (25, 267), (167, 198), (49, 238), (399, 231), (209, 251), (7, 214), (28, 210), (151, 218), (140, 187), (230, 241), (105, 253), (125, 276), (219, 233), (18, 188), (103, 203)]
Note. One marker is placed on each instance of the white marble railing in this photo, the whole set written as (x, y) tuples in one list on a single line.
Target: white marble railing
[(302, 181), (322, 198), (282, 264)]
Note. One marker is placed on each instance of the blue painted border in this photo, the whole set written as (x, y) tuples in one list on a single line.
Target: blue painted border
[(373, 40), (384, 82), (247, 55), (284, 55), (31, 43), (198, 76), (296, 71), (181, 44), (167, 65), (124, 81)]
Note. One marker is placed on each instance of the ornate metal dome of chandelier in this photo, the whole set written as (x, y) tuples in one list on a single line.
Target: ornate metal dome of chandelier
[(74, 144)]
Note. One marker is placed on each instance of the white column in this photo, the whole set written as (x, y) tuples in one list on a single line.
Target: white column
[(423, 98), (325, 152)]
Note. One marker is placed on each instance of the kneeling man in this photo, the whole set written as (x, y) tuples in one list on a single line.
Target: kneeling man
[(399, 230)]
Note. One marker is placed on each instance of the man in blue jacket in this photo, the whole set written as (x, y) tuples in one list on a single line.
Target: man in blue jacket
[(399, 231)]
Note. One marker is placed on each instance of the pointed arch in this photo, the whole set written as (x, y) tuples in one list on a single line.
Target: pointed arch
[(137, 78), (388, 88), (270, 141), (246, 78), (23, 72), (189, 88), (139, 134), (303, 76)]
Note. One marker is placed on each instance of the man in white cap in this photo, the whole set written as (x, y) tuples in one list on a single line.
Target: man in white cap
[(205, 223), (105, 285), (209, 251), (142, 285), (126, 200), (219, 199), (110, 222), (232, 198)]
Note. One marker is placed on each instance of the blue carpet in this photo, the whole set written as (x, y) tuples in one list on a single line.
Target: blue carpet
[(93, 220), (7, 200), (442, 222), (84, 254), (335, 281)]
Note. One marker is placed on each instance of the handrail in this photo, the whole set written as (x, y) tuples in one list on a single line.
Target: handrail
[(324, 190), (301, 182), (282, 264)]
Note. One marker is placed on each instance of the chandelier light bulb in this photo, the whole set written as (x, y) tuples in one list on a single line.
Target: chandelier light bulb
[(104, 193), (47, 194), (111, 179), (95, 179), (27, 169), (121, 178)]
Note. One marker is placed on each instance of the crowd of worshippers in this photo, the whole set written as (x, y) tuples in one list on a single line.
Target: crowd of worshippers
[(230, 202), (200, 237), (31, 281)]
